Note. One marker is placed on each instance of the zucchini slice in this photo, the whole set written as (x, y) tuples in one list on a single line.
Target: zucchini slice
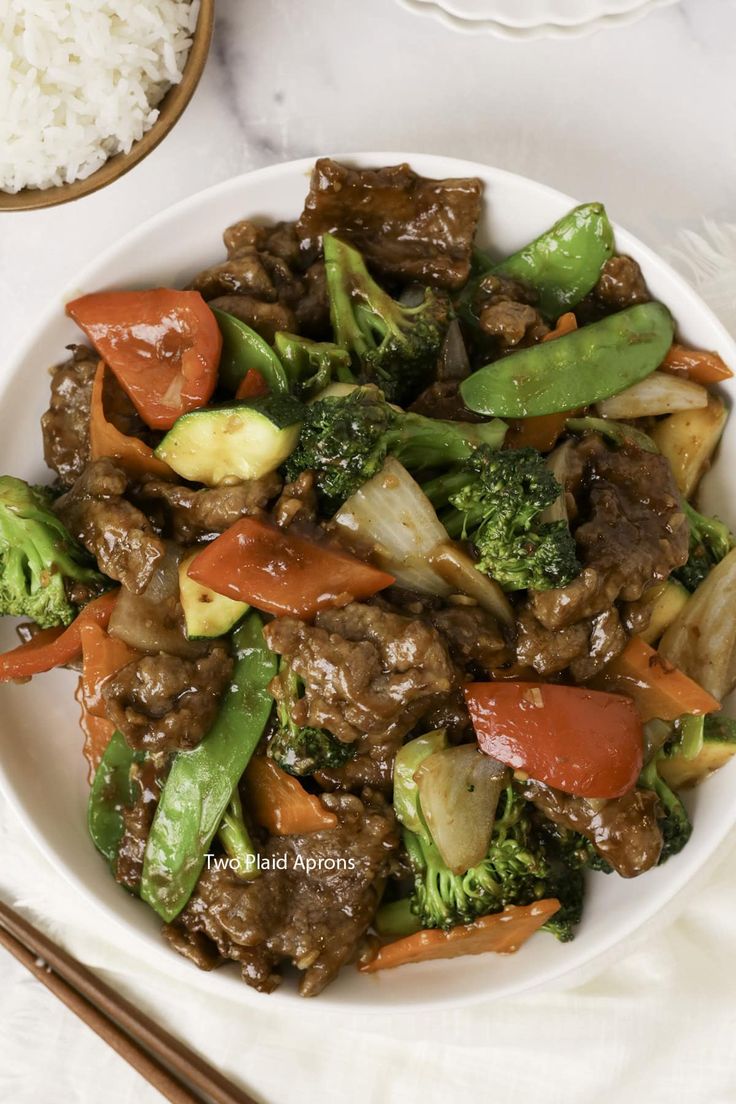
[(207, 614), (232, 442), (719, 746)]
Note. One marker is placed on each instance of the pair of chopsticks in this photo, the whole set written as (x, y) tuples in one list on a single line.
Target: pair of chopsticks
[(179, 1075)]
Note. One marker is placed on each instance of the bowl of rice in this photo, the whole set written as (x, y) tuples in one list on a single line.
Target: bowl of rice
[(90, 87)]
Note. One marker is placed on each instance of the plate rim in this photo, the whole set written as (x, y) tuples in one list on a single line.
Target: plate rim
[(436, 10)]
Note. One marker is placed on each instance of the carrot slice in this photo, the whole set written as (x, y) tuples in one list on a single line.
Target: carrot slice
[(696, 364), (502, 932), (54, 647), (279, 802), (566, 324), (98, 733), (105, 440), (252, 385), (541, 432), (657, 688), (102, 656)]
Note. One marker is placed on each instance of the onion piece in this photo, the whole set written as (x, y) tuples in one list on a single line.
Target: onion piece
[(459, 789), (453, 564), (453, 360), (659, 393), (558, 463), (701, 641), (656, 735), (392, 513), (153, 621)]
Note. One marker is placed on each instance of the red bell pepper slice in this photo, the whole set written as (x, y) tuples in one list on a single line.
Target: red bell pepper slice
[(282, 573), (252, 385), (581, 741), (163, 346), (54, 647)]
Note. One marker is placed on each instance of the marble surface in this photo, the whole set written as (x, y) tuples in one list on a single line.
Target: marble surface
[(640, 117)]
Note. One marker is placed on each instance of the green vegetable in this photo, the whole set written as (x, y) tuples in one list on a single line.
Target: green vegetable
[(619, 433), (406, 792), (345, 441), (242, 349), (296, 749), (718, 748), (562, 265), (392, 345), (496, 500), (666, 603), (396, 919), (690, 731), (565, 262), (236, 441), (37, 557), (515, 871), (207, 614), (710, 542), (575, 370), (113, 789), (673, 819), (201, 782), (235, 838), (311, 365)]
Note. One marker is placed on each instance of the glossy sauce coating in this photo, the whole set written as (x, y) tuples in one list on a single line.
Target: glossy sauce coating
[(580, 741)]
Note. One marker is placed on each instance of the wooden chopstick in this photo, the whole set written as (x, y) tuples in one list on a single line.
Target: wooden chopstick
[(152, 1070), (162, 1060)]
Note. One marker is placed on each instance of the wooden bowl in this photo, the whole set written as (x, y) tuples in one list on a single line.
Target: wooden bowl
[(170, 109)]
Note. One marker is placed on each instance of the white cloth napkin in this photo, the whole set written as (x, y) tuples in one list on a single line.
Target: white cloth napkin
[(656, 1024)]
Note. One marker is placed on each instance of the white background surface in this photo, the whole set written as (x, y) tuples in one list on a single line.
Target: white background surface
[(641, 118)]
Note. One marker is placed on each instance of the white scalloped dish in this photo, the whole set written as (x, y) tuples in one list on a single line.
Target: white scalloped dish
[(535, 18)]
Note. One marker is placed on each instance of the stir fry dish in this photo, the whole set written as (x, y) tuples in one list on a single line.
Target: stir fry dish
[(379, 560)]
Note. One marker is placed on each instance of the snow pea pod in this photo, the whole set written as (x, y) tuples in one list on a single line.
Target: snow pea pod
[(575, 370), (243, 348), (201, 782), (565, 262), (113, 789)]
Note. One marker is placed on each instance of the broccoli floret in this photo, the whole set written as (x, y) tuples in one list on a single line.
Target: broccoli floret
[(346, 439), (710, 541), (300, 750), (312, 365), (673, 818), (37, 557), (391, 344), (514, 872), (568, 855), (527, 860), (495, 502)]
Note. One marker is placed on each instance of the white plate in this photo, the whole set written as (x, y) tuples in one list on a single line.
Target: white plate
[(523, 27), (41, 767), (531, 13)]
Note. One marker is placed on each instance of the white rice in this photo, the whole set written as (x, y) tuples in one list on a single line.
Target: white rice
[(80, 80)]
